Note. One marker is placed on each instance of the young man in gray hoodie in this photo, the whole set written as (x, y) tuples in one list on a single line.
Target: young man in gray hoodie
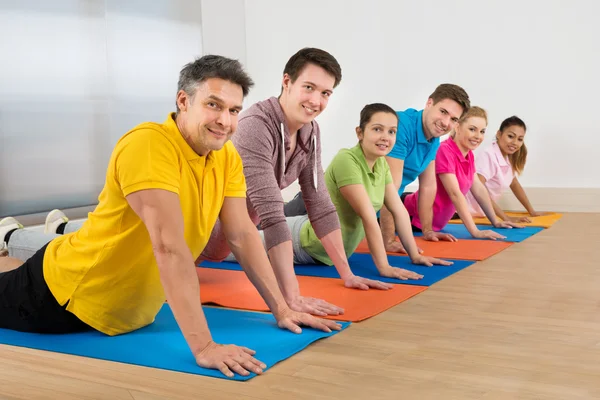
[(279, 142)]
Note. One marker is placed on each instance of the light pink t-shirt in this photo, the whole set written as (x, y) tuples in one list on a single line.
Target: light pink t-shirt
[(498, 173), (448, 160)]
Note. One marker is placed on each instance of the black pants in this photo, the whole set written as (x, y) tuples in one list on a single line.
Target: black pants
[(414, 228), (295, 207), (27, 305)]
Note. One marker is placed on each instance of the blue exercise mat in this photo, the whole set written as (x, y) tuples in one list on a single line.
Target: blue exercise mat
[(515, 235), (161, 344), (363, 265)]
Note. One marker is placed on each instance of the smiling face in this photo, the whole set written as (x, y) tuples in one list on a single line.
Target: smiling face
[(511, 139), (208, 118), (440, 118), (305, 98), (379, 135), (469, 133)]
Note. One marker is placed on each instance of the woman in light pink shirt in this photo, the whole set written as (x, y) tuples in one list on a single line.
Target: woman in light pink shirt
[(455, 177), (498, 166)]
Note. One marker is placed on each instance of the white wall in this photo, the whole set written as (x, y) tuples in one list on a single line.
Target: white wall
[(537, 60)]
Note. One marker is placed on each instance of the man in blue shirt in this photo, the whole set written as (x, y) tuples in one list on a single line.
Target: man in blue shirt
[(413, 155)]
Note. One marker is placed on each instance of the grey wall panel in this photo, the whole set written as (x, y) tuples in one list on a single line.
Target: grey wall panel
[(75, 76)]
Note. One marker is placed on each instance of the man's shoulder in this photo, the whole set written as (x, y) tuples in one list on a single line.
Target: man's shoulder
[(407, 123)]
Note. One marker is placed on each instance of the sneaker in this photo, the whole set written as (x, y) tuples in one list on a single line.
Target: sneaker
[(6, 225), (55, 219)]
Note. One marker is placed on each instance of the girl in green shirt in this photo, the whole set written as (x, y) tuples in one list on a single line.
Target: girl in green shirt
[(359, 183)]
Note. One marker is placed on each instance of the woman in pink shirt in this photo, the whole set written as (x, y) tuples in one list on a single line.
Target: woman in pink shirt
[(455, 172), (498, 166)]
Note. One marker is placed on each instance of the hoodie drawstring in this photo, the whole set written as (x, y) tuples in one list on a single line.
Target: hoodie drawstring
[(282, 149), (315, 180)]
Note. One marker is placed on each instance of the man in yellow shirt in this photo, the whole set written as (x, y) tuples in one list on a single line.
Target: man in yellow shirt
[(166, 185)]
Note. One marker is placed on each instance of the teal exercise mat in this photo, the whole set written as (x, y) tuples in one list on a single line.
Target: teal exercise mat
[(515, 235), (363, 265), (161, 344)]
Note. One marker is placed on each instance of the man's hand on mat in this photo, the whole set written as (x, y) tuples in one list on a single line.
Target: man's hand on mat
[(228, 358), (397, 247), (488, 235), (507, 224), (357, 282), (314, 306), (429, 261), (433, 236), (399, 273), (292, 320)]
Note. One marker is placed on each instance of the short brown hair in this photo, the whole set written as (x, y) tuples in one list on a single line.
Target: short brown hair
[(452, 92), (318, 57)]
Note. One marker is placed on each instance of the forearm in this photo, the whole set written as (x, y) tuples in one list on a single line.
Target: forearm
[(387, 229), (498, 211), (520, 194), (375, 240), (460, 203), (426, 199), (334, 246), (182, 290), (249, 251), (403, 227)]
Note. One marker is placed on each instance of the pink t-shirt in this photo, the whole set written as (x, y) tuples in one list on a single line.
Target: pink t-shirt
[(498, 173), (448, 160)]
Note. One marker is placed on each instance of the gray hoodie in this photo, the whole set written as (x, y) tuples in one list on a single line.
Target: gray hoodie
[(262, 139)]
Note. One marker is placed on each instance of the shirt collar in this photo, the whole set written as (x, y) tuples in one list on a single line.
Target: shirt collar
[(457, 151), (186, 149), (420, 133), (502, 160), (358, 153)]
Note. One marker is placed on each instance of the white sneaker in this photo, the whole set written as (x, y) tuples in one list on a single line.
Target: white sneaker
[(54, 219), (6, 225)]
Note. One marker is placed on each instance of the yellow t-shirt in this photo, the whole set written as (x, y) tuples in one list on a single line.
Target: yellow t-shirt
[(107, 271)]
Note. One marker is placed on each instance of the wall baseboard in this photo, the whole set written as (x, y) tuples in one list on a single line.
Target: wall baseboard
[(551, 199)]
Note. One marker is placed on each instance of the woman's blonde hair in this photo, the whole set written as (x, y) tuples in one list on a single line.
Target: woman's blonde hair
[(474, 111)]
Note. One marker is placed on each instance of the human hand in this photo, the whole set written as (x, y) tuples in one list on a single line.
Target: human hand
[(429, 261), (229, 358), (358, 282), (399, 273), (433, 236), (313, 306), (488, 235)]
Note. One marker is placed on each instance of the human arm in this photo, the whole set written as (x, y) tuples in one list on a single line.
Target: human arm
[(403, 227), (386, 220), (357, 197), (333, 245), (161, 213), (427, 191), (482, 196), (460, 203), (260, 152), (520, 194), (246, 245)]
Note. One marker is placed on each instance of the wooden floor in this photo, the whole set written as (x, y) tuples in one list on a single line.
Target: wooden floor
[(524, 324)]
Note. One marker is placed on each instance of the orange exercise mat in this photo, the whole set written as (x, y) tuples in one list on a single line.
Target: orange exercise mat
[(233, 289), (471, 250), (544, 221)]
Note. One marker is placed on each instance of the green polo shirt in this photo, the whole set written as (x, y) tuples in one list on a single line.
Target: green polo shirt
[(348, 167)]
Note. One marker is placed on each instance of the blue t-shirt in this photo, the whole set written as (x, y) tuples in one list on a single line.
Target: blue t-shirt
[(412, 146)]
